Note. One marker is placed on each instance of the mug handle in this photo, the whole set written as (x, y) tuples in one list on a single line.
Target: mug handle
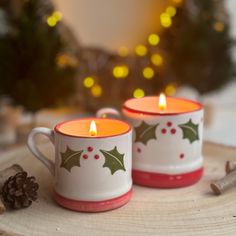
[(106, 111), (34, 149)]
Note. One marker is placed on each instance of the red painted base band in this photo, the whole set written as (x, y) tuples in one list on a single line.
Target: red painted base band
[(91, 206), (158, 180)]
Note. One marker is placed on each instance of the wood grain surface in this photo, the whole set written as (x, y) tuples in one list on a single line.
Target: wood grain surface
[(186, 211)]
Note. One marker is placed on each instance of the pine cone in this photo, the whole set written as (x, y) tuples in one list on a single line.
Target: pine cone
[(19, 191)]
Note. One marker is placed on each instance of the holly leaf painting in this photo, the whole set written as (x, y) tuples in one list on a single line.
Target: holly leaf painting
[(145, 132), (113, 160), (190, 131), (70, 158)]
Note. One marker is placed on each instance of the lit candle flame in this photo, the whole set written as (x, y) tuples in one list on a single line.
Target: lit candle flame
[(162, 102), (93, 128)]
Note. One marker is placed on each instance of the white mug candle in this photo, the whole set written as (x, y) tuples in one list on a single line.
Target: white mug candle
[(167, 140), (92, 169)]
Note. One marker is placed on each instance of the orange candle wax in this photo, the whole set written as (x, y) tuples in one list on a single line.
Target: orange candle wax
[(93, 127), (149, 106)]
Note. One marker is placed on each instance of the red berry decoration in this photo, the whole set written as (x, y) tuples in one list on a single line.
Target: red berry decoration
[(96, 157), (139, 149), (90, 149), (163, 131), (169, 124), (85, 156), (181, 156), (173, 131), (171, 177)]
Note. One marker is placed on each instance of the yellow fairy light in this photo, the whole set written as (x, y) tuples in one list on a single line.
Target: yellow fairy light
[(156, 59), (52, 21), (138, 93), (165, 20), (219, 26), (171, 11), (170, 90), (57, 15), (88, 82), (54, 18), (64, 60), (120, 72), (96, 90), (141, 50), (148, 73), (61, 60), (123, 51), (153, 39)]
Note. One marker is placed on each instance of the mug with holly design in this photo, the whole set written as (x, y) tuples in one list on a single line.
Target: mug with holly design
[(92, 168), (167, 143)]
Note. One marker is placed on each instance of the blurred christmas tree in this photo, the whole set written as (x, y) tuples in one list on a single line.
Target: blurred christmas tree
[(198, 45), (37, 65), (193, 48), (37, 69)]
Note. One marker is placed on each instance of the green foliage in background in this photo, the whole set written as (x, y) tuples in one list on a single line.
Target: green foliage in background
[(198, 45), (29, 49)]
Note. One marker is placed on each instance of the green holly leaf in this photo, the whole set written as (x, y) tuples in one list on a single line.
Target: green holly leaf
[(145, 132), (190, 131), (70, 158), (113, 160)]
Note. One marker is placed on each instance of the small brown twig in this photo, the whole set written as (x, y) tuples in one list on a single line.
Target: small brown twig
[(4, 175), (2, 207), (230, 166), (221, 185)]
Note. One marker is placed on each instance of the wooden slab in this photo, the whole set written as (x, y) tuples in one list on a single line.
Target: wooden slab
[(187, 211)]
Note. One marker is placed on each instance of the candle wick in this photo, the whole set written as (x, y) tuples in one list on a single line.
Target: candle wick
[(162, 108)]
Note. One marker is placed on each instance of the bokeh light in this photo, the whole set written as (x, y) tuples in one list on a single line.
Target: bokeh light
[(120, 72), (148, 73), (170, 90), (153, 39), (157, 59), (141, 50), (165, 20), (138, 93), (123, 51), (219, 26), (54, 18), (171, 11), (88, 82), (96, 90), (57, 15), (52, 21)]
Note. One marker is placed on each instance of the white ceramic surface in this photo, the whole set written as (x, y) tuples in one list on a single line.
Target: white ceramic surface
[(90, 181), (167, 150), (169, 153)]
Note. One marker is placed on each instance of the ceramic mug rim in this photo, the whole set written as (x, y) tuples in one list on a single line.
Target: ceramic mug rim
[(57, 130), (132, 110)]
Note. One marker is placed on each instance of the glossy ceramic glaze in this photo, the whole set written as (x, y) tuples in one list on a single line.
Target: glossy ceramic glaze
[(167, 145), (90, 173)]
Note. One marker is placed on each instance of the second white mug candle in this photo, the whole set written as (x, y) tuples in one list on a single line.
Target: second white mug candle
[(167, 140)]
